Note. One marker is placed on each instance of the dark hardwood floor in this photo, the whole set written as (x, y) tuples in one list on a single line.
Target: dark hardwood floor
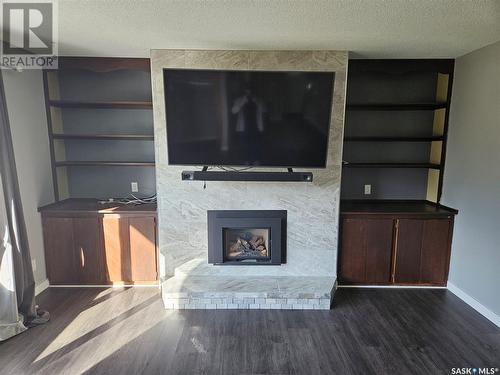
[(369, 331)]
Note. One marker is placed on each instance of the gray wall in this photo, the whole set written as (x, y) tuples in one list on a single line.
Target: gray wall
[(26, 109), (472, 176)]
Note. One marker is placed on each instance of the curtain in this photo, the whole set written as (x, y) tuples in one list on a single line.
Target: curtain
[(17, 284)]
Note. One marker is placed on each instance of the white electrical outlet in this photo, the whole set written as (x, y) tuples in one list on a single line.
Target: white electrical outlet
[(134, 187), (33, 264), (368, 189)]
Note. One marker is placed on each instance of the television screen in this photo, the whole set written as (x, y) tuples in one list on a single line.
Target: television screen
[(248, 118)]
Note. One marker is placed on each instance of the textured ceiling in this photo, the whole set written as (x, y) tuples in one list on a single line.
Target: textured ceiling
[(368, 28)]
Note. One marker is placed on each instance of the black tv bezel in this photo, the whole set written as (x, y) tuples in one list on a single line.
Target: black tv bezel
[(333, 73)]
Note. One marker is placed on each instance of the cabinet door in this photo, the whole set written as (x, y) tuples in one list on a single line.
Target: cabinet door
[(422, 251), (60, 258), (142, 234), (130, 248), (366, 248), (116, 249), (88, 249), (436, 247)]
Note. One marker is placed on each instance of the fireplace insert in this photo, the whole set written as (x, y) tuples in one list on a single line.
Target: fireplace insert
[(255, 237)]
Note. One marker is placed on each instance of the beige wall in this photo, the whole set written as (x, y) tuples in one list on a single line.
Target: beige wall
[(472, 176), (25, 106)]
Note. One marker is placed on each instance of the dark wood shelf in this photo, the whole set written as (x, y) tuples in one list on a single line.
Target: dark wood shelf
[(394, 139), (392, 165), (90, 205), (387, 206), (104, 64), (399, 67), (105, 163), (102, 104), (132, 137), (396, 106)]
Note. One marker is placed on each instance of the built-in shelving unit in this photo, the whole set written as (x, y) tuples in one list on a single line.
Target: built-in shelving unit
[(100, 126), (395, 231), (396, 128)]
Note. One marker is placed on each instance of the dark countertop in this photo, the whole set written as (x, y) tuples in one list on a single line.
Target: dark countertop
[(89, 205), (410, 207)]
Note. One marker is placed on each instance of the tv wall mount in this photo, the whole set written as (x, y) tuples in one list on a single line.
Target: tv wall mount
[(244, 175)]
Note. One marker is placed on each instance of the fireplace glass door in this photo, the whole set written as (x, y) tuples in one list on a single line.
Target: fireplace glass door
[(247, 237), (247, 244)]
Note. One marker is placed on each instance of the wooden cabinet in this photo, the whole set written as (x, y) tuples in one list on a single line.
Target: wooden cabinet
[(115, 248), (72, 251), (88, 244), (405, 244), (142, 242), (366, 251), (130, 248), (60, 255), (89, 258), (422, 251)]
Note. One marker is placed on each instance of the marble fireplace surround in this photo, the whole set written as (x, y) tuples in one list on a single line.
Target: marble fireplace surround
[(307, 279)]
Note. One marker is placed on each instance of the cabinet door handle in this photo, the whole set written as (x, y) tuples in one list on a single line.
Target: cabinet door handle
[(395, 251), (82, 257)]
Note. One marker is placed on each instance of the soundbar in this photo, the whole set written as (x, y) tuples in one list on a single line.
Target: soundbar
[(247, 176)]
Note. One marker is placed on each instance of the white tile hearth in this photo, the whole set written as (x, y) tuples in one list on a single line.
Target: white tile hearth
[(242, 292)]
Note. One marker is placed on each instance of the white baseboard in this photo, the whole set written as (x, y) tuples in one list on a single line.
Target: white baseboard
[(475, 304), (41, 287), (392, 286)]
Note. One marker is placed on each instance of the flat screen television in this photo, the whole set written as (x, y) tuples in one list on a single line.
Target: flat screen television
[(248, 118)]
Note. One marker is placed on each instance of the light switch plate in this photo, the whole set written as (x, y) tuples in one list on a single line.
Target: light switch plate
[(134, 187), (368, 189)]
